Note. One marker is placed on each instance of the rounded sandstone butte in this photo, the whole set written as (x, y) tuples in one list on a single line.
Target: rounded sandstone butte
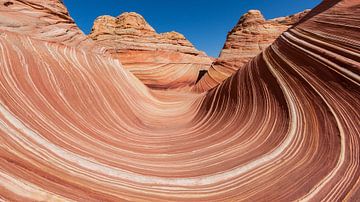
[(104, 25), (132, 20), (251, 18), (250, 36), (148, 54), (130, 31)]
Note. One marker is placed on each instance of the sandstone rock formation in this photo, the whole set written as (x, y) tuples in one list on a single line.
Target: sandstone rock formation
[(76, 126), (166, 60), (251, 35)]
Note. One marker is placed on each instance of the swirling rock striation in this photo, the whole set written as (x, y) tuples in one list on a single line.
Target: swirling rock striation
[(76, 126), (166, 60)]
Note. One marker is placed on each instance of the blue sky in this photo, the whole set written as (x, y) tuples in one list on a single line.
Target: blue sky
[(204, 22)]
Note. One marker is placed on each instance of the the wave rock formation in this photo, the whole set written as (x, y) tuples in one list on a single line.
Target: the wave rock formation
[(76, 126)]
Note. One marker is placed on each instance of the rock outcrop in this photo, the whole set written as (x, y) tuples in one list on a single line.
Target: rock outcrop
[(251, 35), (166, 60), (76, 126)]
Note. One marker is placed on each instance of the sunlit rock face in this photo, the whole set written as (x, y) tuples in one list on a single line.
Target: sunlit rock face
[(166, 60), (76, 126), (250, 36)]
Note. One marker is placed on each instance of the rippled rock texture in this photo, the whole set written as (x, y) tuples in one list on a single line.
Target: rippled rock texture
[(166, 60), (76, 126)]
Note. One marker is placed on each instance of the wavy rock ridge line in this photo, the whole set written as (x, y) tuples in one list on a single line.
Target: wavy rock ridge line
[(76, 126)]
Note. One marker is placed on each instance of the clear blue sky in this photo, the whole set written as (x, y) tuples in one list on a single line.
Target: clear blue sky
[(204, 22)]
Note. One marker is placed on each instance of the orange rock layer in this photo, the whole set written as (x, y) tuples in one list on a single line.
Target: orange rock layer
[(77, 126)]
